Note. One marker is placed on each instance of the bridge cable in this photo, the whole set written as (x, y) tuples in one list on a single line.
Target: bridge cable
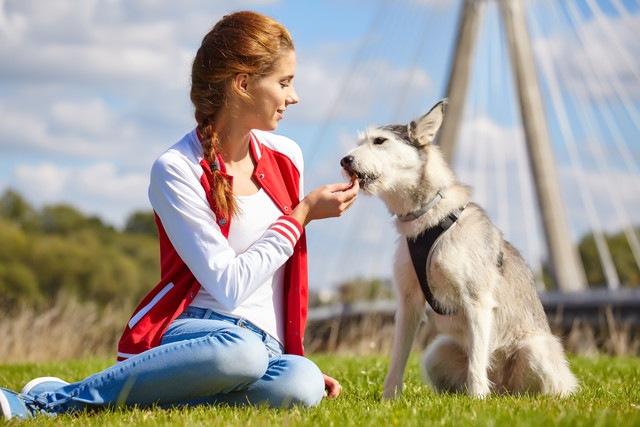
[(599, 156), (547, 68)]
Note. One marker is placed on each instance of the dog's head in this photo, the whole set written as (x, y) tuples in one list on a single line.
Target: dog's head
[(391, 159)]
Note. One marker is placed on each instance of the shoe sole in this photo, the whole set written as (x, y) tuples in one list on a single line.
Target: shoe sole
[(37, 381), (5, 406)]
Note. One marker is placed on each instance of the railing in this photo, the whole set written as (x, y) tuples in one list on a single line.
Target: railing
[(601, 315)]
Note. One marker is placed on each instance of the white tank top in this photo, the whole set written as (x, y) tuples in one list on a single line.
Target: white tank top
[(264, 307)]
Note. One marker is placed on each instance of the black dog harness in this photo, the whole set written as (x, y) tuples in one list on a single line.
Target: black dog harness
[(420, 248)]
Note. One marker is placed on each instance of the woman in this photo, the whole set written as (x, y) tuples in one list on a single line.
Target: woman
[(226, 321)]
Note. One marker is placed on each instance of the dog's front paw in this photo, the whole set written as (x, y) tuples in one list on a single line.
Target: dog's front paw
[(479, 391), (391, 395), (392, 392)]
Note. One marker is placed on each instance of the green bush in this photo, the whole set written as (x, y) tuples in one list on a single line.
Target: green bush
[(58, 250)]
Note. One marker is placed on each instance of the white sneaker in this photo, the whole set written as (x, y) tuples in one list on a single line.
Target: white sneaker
[(42, 385), (14, 405)]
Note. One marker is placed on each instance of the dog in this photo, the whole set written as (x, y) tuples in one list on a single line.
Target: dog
[(492, 333)]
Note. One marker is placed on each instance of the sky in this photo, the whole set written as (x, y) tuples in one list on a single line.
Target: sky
[(92, 91)]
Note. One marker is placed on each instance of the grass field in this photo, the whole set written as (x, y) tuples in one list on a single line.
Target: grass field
[(610, 396)]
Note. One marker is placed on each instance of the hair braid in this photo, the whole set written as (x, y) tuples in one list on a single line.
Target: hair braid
[(221, 191)]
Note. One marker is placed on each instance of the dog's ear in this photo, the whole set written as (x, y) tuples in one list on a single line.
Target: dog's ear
[(424, 129)]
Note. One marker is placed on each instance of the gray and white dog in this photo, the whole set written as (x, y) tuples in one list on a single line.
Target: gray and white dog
[(492, 335)]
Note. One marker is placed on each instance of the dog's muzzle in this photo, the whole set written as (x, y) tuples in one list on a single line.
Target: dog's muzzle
[(364, 178)]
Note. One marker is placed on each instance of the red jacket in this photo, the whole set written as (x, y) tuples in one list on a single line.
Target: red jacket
[(280, 178)]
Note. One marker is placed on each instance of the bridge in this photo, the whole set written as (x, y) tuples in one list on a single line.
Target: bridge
[(543, 122)]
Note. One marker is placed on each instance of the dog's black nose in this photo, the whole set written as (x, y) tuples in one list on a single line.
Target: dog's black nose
[(346, 161)]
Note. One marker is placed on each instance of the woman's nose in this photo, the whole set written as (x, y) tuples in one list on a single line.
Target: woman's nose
[(293, 97)]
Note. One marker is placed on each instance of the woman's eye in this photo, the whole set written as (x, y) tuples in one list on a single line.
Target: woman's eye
[(284, 84), (379, 140)]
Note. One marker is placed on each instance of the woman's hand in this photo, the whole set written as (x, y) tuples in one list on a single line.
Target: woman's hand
[(332, 386), (328, 201)]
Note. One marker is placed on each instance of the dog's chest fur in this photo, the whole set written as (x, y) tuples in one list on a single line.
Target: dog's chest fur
[(445, 288), (462, 267)]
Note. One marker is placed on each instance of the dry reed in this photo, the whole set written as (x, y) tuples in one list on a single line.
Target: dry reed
[(69, 329), (373, 334)]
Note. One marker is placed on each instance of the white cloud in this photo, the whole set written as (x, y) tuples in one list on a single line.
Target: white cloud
[(100, 188), (436, 4), (332, 92), (614, 200), (46, 182), (104, 179), (76, 130), (491, 158), (16, 126), (598, 58), (87, 116), (87, 62)]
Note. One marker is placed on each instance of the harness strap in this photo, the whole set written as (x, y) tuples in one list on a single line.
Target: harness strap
[(420, 248), (427, 206)]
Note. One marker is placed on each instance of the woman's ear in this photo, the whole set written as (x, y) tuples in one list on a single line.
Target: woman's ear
[(240, 86), (240, 82)]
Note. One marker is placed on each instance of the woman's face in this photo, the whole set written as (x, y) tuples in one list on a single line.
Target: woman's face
[(271, 94)]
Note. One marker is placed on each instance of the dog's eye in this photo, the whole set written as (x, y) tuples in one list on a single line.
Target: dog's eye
[(379, 140)]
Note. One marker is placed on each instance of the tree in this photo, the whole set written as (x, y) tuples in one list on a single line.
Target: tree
[(621, 254), (64, 220), (15, 208), (142, 222), (18, 283), (71, 254)]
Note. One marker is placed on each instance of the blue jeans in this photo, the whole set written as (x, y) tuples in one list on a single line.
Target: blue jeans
[(204, 358)]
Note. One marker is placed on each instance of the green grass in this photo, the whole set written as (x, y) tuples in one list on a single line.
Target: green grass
[(610, 396)]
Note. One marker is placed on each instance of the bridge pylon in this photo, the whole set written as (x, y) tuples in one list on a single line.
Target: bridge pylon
[(567, 272)]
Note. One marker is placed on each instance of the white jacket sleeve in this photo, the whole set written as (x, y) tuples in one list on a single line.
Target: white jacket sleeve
[(179, 200)]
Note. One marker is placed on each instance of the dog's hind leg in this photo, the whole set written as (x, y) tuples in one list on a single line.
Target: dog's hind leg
[(410, 313), (540, 366), (445, 365)]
